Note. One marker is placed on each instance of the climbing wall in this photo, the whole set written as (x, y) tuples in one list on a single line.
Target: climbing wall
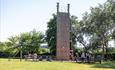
[(63, 36)]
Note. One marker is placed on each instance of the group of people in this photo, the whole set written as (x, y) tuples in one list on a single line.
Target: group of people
[(84, 57), (31, 56), (36, 57), (88, 57)]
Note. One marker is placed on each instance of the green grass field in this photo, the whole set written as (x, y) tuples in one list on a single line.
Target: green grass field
[(15, 64)]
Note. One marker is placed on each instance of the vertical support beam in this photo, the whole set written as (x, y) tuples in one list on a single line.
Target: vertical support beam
[(68, 8), (57, 7), (68, 11), (71, 43)]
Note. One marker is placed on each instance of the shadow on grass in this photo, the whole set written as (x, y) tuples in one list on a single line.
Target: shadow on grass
[(105, 65), (108, 64)]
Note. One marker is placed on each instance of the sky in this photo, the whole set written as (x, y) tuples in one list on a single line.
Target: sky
[(18, 16)]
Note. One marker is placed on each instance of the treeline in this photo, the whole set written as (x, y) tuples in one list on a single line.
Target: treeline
[(27, 42)]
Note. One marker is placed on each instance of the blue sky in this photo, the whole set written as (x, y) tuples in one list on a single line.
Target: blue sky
[(18, 16)]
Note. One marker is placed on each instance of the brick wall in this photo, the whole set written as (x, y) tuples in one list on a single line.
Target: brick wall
[(63, 36)]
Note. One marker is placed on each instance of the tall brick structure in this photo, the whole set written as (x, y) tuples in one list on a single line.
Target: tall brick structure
[(63, 35)]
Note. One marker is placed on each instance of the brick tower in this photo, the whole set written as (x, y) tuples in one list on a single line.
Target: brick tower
[(63, 35)]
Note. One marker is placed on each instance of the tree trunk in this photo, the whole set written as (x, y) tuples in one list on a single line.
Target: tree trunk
[(103, 50)]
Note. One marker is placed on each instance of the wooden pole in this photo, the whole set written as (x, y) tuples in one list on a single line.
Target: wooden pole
[(68, 8), (57, 7)]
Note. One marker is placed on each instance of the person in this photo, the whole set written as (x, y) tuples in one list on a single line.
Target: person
[(99, 58), (76, 57), (83, 56), (49, 59), (40, 58), (88, 57), (35, 57), (29, 56)]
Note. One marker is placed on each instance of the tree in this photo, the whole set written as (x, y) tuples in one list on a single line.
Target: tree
[(2, 46), (13, 40), (30, 41), (12, 45), (27, 42), (97, 26), (51, 34)]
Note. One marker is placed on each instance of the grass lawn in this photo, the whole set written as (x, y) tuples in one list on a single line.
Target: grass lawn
[(15, 64)]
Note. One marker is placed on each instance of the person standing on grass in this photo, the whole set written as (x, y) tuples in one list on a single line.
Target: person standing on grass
[(88, 56), (76, 57), (35, 57), (83, 56)]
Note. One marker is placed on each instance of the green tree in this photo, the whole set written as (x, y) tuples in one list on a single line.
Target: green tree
[(97, 27), (2, 46), (30, 41), (51, 34), (12, 45)]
